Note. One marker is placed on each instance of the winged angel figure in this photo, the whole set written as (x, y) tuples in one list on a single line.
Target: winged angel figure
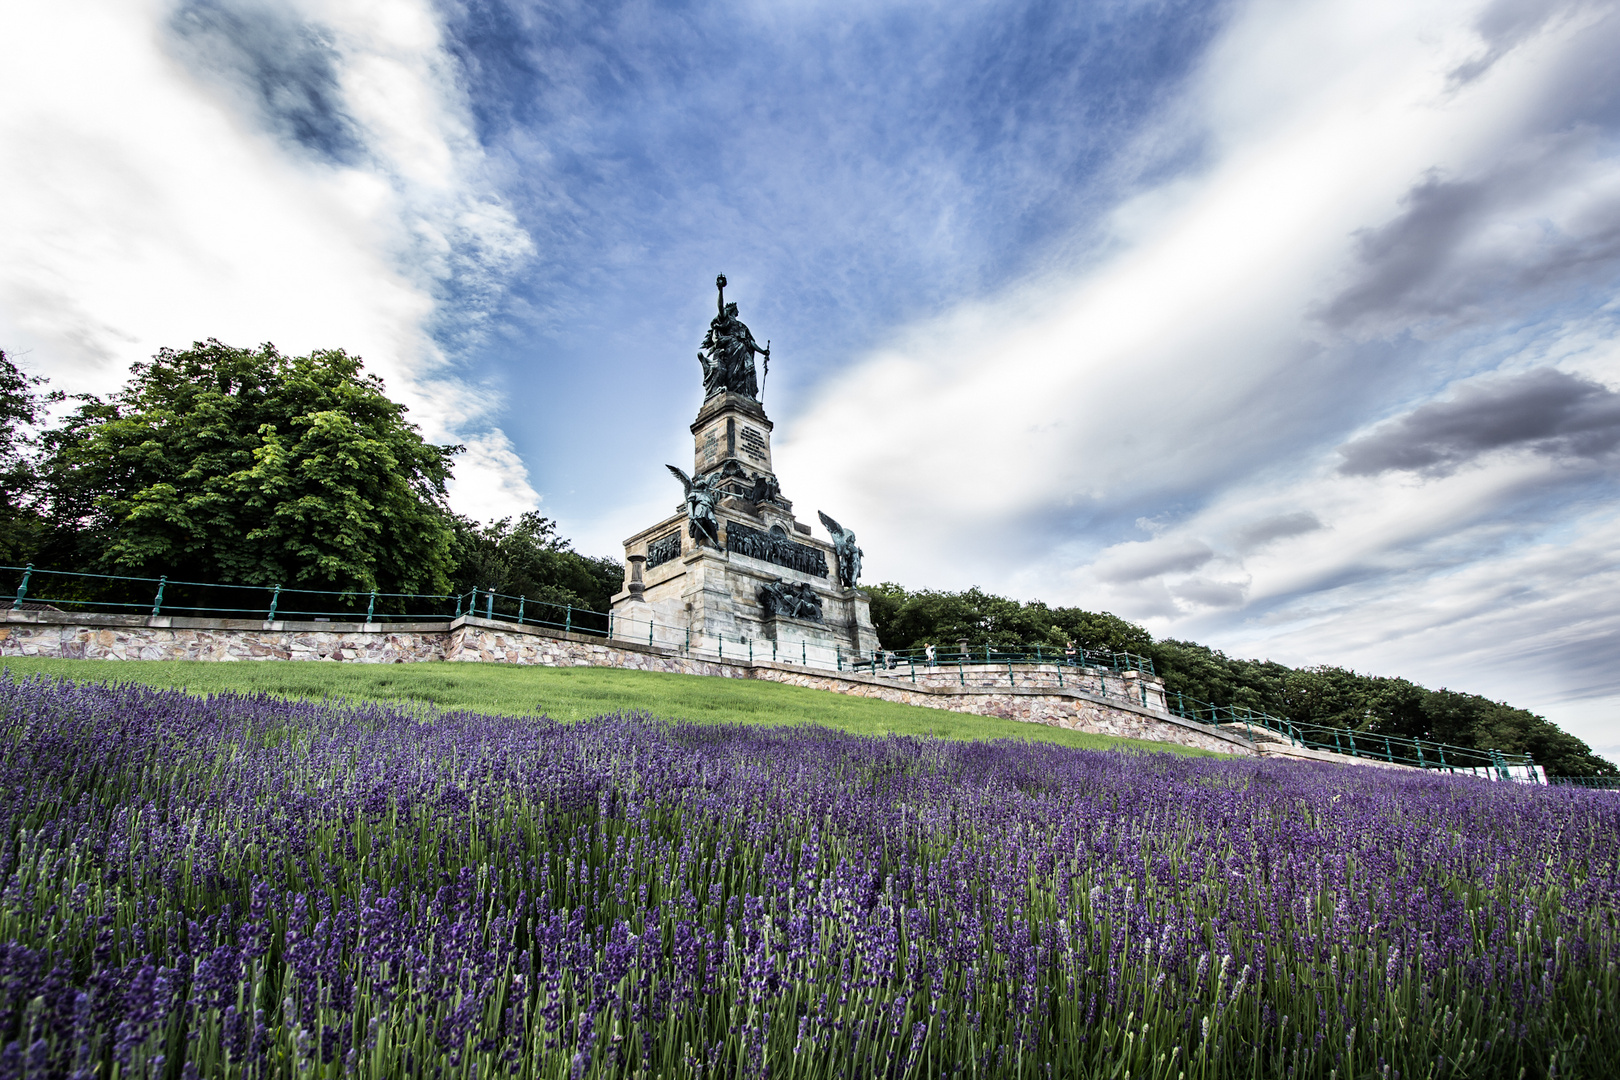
[(701, 499), (849, 556)]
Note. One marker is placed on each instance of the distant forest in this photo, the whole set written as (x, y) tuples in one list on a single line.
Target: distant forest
[(1331, 696)]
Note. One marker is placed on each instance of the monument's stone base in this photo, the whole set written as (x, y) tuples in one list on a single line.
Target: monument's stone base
[(708, 600)]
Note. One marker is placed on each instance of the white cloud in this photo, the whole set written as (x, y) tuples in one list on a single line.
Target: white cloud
[(1189, 378), (146, 204)]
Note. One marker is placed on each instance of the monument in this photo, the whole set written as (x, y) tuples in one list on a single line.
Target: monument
[(733, 569)]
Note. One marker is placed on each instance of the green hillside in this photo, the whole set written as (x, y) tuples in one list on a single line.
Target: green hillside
[(571, 694)]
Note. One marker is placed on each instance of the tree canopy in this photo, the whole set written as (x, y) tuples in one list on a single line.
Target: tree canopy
[(527, 558), (22, 406), (249, 467)]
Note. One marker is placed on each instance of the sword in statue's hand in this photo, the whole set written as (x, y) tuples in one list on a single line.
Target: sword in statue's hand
[(767, 368)]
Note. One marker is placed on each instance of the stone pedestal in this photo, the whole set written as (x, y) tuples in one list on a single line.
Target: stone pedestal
[(708, 598)]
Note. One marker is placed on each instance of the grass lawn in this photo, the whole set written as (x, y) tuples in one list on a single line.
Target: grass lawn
[(571, 694)]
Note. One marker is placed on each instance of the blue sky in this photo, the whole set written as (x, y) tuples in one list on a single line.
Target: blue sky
[(1289, 327)]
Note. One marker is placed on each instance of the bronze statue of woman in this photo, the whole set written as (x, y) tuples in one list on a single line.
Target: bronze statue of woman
[(728, 351)]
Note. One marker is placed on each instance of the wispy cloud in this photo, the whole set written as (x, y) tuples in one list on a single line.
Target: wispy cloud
[(1353, 368), (303, 174)]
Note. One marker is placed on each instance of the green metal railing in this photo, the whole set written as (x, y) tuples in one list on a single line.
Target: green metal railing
[(1601, 783), (1394, 749), (75, 592), (943, 655), (159, 596)]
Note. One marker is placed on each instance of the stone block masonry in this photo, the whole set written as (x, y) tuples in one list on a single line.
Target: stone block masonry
[(1029, 695)]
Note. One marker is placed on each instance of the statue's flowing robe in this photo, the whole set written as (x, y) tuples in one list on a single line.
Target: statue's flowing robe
[(730, 366)]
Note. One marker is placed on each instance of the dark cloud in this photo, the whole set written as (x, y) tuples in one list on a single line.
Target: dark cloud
[(1548, 411), (289, 69), (1504, 25), (1260, 533), (1433, 264), (1536, 227)]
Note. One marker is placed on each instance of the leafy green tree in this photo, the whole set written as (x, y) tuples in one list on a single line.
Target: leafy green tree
[(1201, 674), (527, 558), (250, 467), (910, 620), (1100, 630), (22, 407)]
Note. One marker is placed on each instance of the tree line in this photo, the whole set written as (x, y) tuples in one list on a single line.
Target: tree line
[(1325, 695), (248, 467)]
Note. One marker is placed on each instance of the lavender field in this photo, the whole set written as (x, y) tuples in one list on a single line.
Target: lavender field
[(250, 887)]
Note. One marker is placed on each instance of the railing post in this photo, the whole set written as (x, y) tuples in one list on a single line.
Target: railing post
[(912, 660), (1388, 752), (1010, 680), (489, 604), (22, 588), (1441, 750), (1037, 652), (568, 619), (1060, 676), (157, 601), (521, 601), (650, 626), (961, 672), (275, 598), (371, 608), (458, 606)]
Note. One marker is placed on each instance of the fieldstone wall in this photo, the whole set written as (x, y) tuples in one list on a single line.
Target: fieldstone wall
[(121, 637), (1030, 694)]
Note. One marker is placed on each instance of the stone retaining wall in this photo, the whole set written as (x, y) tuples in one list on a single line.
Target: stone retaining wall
[(1031, 695)]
